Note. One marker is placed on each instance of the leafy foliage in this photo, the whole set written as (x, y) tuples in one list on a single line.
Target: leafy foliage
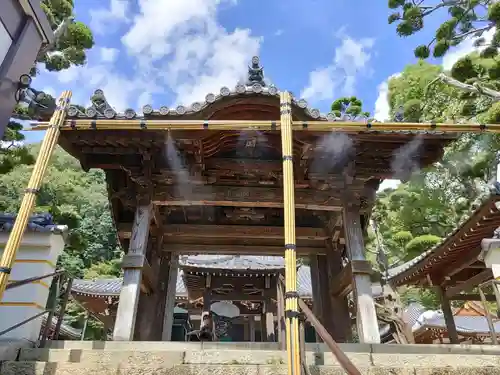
[(464, 19), (349, 107), (70, 47), (79, 200), (418, 214)]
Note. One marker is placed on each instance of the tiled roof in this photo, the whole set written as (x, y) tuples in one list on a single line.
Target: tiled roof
[(480, 209), (233, 262), (464, 324), (66, 330), (112, 287), (36, 223)]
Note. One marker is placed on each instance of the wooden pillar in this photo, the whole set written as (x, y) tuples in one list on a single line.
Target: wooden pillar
[(129, 295), (269, 321), (152, 302), (366, 315), (317, 291), (251, 328), (448, 316), (340, 323), (326, 316), (263, 326), (280, 309), (168, 318)]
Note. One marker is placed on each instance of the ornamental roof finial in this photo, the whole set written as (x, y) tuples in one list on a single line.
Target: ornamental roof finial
[(255, 73)]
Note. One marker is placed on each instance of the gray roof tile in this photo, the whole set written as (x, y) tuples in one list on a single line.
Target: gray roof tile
[(464, 324), (112, 287)]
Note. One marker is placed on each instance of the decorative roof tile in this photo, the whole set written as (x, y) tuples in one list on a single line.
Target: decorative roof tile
[(254, 85), (233, 262)]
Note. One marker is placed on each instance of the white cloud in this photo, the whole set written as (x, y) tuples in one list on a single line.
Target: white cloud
[(351, 59), (104, 20), (182, 46), (109, 54), (382, 107), (175, 49)]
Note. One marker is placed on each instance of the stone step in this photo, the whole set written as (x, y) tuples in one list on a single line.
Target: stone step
[(257, 346), (46, 368), (155, 357)]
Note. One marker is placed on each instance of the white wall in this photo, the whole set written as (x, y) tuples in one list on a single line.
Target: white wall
[(36, 256)]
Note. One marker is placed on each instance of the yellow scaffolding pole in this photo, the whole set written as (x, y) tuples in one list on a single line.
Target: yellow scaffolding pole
[(318, 126), (28, 202), (291, 296)]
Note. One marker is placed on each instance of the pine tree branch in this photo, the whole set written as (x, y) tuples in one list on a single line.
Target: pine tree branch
[(58, 33), (476, 88)]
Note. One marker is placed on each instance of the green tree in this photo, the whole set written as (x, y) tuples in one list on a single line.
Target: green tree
[(465, 18), (349, 107), (475, 76), (75, 198), (72, 39)]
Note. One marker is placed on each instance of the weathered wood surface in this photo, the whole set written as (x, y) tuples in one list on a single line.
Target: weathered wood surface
[(230, 231), (234, 196), (366, 314), (170, 295), (129, 295), (193, 249), (448, 316), (339, 306)]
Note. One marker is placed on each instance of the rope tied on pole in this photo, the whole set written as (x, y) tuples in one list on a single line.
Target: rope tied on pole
[(291, 296), (48, 144)]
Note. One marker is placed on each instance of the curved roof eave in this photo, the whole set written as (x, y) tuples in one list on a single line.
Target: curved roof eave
[(400, 274), (196, 109)]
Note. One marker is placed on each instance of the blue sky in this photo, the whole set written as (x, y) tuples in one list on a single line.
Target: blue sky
[(170, 52)]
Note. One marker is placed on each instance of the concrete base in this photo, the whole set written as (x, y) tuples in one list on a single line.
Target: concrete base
[(183, 358), (43, 368)]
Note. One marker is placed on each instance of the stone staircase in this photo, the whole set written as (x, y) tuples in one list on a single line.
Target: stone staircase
[(179, 358)]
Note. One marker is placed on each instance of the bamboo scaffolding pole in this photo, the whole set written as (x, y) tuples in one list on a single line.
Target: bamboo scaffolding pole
[(291, 296), (317, 126), (28, 202)]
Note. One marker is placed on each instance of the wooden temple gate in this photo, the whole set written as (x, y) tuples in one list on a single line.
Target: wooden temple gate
[(248, 171)]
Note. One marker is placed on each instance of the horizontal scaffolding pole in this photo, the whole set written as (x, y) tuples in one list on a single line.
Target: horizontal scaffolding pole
[(142, 124)]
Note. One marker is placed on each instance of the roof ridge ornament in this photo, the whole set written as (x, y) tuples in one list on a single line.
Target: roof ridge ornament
[(255, 73)]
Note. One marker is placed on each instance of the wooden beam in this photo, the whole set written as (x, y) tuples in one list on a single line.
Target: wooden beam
[(469, 284), (237, 296), (232, 196), (238, 249), (230, 231)]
